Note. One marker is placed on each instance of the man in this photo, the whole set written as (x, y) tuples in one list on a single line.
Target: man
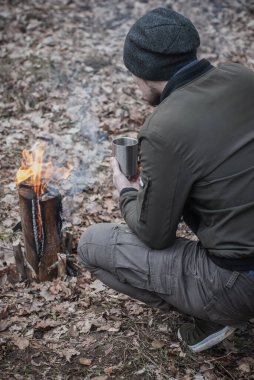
[(197, 159)]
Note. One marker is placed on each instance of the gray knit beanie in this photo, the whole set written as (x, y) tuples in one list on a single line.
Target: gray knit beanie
[(159, 44)]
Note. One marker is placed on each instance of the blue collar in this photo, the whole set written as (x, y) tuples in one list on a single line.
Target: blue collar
[(190, 64)]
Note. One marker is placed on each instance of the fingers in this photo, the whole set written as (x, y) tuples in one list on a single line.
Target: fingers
[(115, 166), (135, 183), (116, 171), (119, 179), (135, 177)]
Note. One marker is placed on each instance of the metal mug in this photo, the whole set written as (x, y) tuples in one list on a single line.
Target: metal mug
[(125, 150)]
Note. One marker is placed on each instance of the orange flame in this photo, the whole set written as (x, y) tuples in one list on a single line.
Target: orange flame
[(36, 172), (31, 169)]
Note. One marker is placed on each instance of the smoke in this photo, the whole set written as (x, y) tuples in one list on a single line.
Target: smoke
[(80, 147), (78, 109), (72, 133), (90, 143)]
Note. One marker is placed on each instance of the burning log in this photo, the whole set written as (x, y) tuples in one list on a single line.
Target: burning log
[(40, 209), (41, 226)]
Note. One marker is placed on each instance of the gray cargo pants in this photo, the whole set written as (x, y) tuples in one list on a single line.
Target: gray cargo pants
[(181, 277)]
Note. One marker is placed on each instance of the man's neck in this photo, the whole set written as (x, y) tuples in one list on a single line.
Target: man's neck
[(160, 86)]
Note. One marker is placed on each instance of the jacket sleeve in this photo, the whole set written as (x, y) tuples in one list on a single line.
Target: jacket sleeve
[(154, 212)]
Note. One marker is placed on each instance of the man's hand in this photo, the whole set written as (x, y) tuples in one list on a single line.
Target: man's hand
[(119, 179)]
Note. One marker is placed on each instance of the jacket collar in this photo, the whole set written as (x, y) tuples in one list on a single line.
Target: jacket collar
[(184, 76)]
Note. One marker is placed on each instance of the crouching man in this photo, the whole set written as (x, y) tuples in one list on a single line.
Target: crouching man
[(197, 152)]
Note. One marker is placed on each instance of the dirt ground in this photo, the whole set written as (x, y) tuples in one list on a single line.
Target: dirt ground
[(62, 81)]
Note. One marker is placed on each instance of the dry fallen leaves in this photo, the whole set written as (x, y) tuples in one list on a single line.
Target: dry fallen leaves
[(5, 324), (68, 353), (21, 342), (97, 286), (55, 333), (47, 323), (157, 344), (108, 370), (244, 367), (85, 361), (60, 286), (41, 86), (246, 364)]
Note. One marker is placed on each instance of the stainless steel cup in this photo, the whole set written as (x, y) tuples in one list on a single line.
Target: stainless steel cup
[(125, 150)]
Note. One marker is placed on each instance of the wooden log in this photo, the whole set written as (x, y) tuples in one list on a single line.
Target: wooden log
[(68, 242), (63, 240), (41, 226), (19, 260), (51, 222), (27, 202), (62, 259)]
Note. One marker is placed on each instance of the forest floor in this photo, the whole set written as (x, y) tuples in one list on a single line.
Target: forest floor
[(62, 81)]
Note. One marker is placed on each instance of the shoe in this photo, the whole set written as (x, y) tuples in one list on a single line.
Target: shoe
[(203, 334)]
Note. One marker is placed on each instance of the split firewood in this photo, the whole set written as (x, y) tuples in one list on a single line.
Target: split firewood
[(19, 260), (61, 265), (69, 239)]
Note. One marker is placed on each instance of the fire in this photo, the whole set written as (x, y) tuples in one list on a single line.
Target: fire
[(37, 172), (31, 169)]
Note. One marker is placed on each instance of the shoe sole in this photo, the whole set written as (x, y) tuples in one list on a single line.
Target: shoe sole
[(209, 341)]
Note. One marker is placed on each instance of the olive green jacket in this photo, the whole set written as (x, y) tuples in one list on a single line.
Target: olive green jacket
[(197, 158)]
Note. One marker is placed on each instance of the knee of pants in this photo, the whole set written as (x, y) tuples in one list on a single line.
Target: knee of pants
[(92, 245)]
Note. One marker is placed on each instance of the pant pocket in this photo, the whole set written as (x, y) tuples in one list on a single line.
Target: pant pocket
[(163, 284), (133, 277), (228, 305), (130, 259), (163, 272)]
